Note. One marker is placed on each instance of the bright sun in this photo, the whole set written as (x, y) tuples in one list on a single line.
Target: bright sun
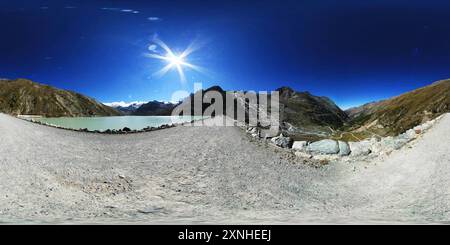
[(175, 61)]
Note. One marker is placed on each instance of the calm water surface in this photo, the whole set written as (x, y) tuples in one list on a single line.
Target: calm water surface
[(104, 123)]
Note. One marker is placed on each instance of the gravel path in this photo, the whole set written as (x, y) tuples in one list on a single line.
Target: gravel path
[(210, 175)]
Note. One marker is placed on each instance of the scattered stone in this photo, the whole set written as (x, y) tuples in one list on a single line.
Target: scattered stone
[(282, 141), (326, 158), (427, 125), (326, 146), (421, 128), (324, 162), (412, 134), (303, 155)]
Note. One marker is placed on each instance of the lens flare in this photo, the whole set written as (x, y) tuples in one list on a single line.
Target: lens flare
[(173, 60)]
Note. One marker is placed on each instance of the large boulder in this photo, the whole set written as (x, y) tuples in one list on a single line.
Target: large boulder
[(361, 148), (394, 143), (344, 148), (282, 141), (326, 146), (299, 145)]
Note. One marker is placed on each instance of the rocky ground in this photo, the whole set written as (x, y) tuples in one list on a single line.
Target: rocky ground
[(212, 175), (337, 150)]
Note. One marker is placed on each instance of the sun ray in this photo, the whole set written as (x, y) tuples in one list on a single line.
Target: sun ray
[(190, 49), (157, 56), (163, 45), (195, 67), (163, 71), (181, 73)]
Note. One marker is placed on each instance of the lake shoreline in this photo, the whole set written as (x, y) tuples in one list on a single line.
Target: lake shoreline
[(125, 130)]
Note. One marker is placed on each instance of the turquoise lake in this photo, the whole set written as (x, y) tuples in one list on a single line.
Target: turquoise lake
[(119, 122)]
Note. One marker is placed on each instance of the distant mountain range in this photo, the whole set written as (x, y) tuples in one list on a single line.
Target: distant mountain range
[(152, 108), (302, 115), (22, 96), (124, 108), (155, 108)]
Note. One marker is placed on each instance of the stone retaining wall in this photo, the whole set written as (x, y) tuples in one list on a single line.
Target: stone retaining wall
[(329, 149)]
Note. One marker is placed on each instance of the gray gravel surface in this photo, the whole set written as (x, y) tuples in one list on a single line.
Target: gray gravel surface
[(190, 175)]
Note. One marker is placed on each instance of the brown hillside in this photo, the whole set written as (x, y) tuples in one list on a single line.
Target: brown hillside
[(22, 96), (396, 115)]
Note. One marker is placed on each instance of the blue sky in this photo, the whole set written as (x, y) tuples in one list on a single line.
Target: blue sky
[(352, 51)]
